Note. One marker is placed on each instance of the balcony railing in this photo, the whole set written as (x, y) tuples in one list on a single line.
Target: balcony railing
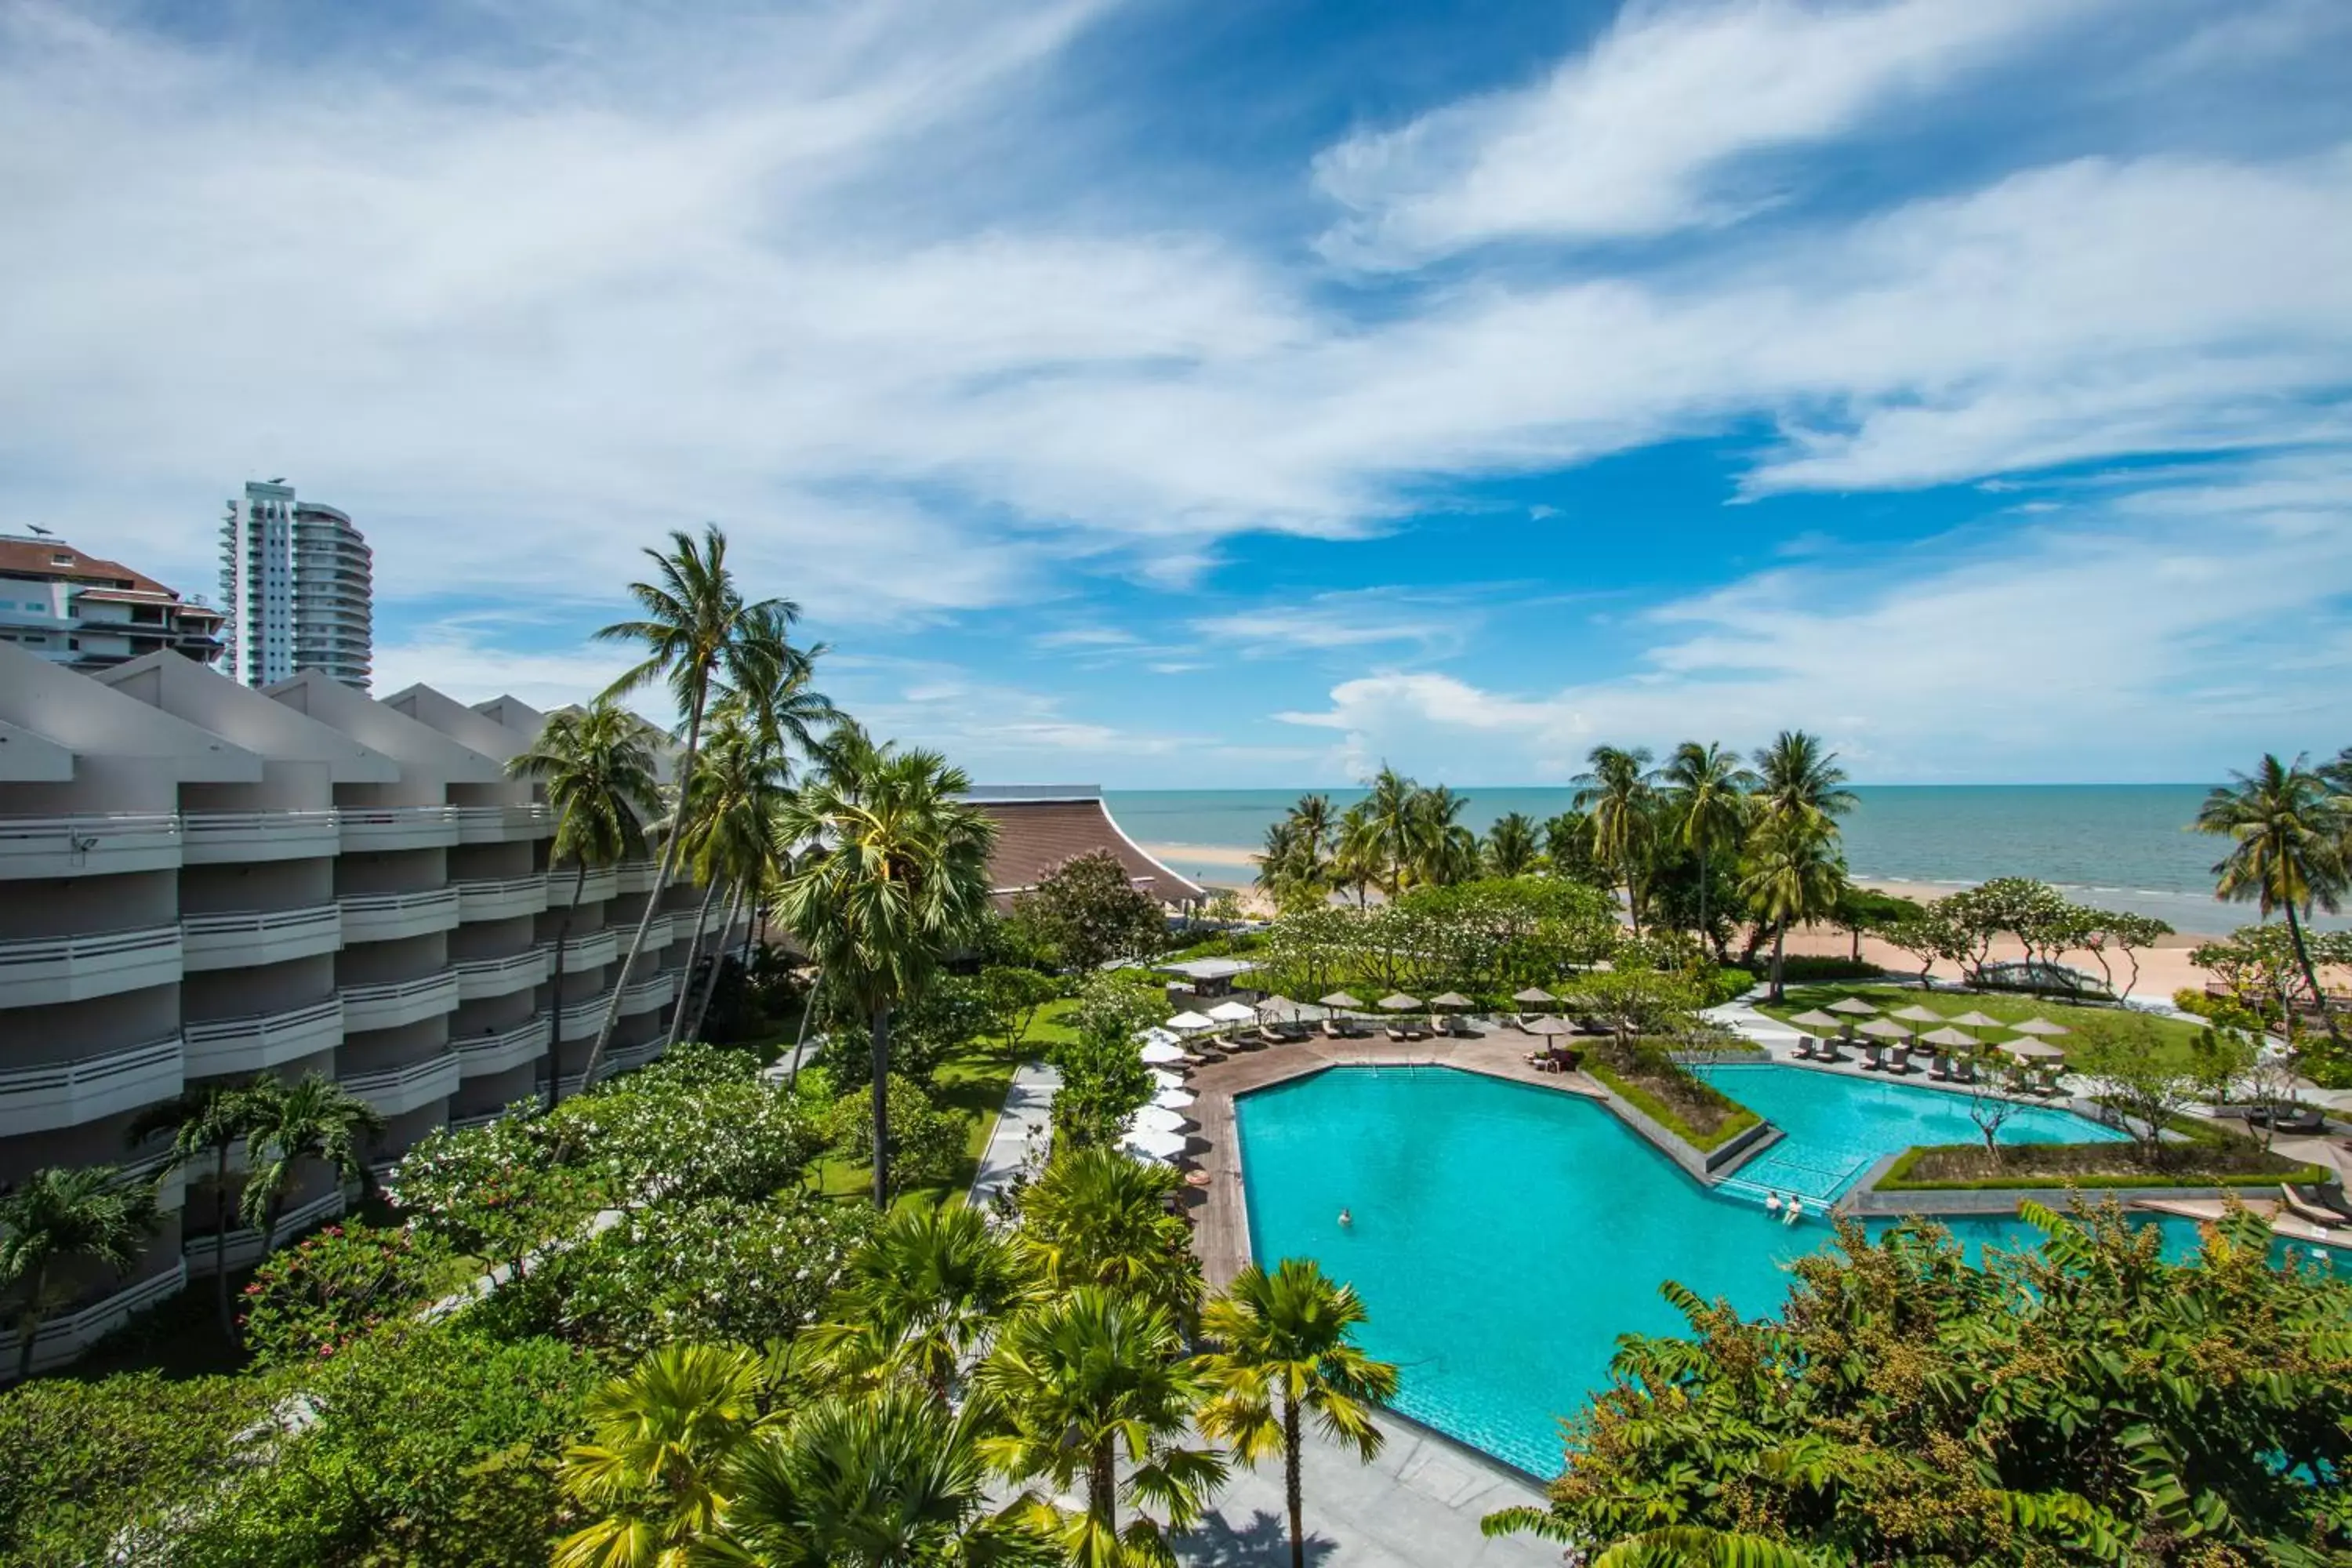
[(500, 898), (387, 917), (35, 971), (590, 951), (396, 1091), (389, 1004), (637, 876), (89, 845), (647, 995), (600, 885), (479, 1055), (582, 1019), (65, 1336), (258, 1040), (246, 939), (503, 824), (482, 977), (51, 1095), (398, 826), (233, 837)]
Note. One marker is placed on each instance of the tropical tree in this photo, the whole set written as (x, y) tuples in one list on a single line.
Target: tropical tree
[(1285, 1351), (1095, 1216), (55, 1215), (1444, 850), (1355, 852), (2286, 853), (1097, 1395), (659, 1442), (1297, 863), (896, 881), (702, 639), (890, 1479), (1707, 788), (1797, 777), (1793, 873), (597, 770), (1511, 849), (314, 1119), (206, 1123), (1615, 795), (728, 816), (1385, 831), (920, 1295)]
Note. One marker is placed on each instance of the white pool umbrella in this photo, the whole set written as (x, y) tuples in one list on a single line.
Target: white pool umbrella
[(1155, 1119), (2032, 1050), (1916, 1014), (1154, 1145), (1233, 1013), (1853, 1005), (2041, 1026), (1341, 999), (1191, 1022), (1398, 1001), (1173, 1099), (1164, 1079), (1161, 1055)]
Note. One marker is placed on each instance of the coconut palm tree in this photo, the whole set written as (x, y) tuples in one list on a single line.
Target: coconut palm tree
[(1097, 1395), (55, 1215), (596, 767), (1709, 789), (1796, 777), (2287, 851), (1355, 852), (921, 1294), (890, 1479), (896, 881), (1444, 850), (1792, 873), (1386, 830), (1615, 795), (314, 1119), (1284, 1353), (206, 1123), (702, 639), (728, 816), (659, 1442), (1094, 1216), (1511, 849)]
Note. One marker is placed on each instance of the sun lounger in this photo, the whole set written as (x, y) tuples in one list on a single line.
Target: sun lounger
[(1965, 1070), (1874, 1058), (1804, 1052), (2297, 1119), (1899, 1064), (1398, 1036), (2321, 1207)]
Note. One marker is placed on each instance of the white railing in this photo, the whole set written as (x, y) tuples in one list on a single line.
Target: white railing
[(503, 824), (480, 977), (480, 1055), (108, 841), (395, 1091), (593, 950), (386, 916), (237, 938), (583, 1018), (637, 876), (219, 837), (49, 1095), (600, 885), (398, 826), (263, 1039), (66, 1334), (387, 1004), (44, 969), (244, 1242), (649, 993), (500, 898)]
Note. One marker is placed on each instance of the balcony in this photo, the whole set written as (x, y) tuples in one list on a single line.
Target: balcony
[(66, 1335), (593, 950), (647, 995), (503, 824), (715, 917), (240, 837), (501, 899), (66, 1094), (658, 935), (392, 1003), (388, 916), (89, 846), (479, 978), (486, 1054), (244, 1248), (259, 1041), (396, 1091), (582, 1019), (627, 1059), (36, 971), (250, 938), (560, 881), (636, 877), (376, 828)]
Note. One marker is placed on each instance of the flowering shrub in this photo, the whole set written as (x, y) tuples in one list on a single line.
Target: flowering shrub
[(311, 1299), (698, 1124), (494, 1191)]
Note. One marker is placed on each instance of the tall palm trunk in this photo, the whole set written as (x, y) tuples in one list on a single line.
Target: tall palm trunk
[(29, 1324), (800, 1040), (2311, 976), (881, 1106), (661, 885), (718, 955), (1779, 940), (693, 952), (555, 996), (220, 1243), (1292, 1491), (1102, 1490)]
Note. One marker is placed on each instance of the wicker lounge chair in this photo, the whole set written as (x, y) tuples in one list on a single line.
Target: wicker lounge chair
[(2323, 1206)]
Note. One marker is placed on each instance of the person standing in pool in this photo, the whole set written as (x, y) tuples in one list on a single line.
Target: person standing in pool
[(1346, 1220)]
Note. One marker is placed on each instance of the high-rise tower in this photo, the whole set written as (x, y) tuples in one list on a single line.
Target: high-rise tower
[(298, 582)]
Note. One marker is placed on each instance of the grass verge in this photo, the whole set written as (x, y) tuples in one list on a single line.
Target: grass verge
[(2087, 1026), (1966, 1167), (1692, 1109)]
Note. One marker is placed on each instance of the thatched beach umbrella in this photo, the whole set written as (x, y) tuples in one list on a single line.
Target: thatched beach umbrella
[(1398, 1001), (2033, 1050), (1853, 1005), (1817, 1019), (1533, 997), (1884, 1029), (1341, 1000), (1950, 1038)]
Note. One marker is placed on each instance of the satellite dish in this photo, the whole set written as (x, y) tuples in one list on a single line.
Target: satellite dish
[(44, 533), (278, 480)]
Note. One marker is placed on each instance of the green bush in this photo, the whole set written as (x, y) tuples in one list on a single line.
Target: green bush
[(926, 1142), (1677, 1099), (311, 1300), (1803, 969)]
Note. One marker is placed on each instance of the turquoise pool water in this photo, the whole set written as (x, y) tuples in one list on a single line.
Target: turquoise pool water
[(1838, 1125), (1504, 1235)]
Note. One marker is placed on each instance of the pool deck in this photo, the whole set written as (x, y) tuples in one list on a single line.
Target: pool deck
[(1220, 1219)]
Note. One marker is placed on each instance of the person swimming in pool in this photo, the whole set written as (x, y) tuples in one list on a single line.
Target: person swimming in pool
[(1346, 1220)]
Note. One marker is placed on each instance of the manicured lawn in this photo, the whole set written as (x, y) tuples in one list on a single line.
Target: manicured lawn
[(2090, 1025)]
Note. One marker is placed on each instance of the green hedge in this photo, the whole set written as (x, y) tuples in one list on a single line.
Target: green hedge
[(1897, 1177), (1643, 1100)]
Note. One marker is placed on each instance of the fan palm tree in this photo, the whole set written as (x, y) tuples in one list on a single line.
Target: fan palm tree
[(1709, 787), (597, 770), (1616, 795), (1795, 777), (1793, 873), (728, 816), (2287, 851), (922, 1292), (315, 1118), (1091, 1384), (55, 1215), (1511, 849), (659, 1442), (1286, 1353), (206, 1123), (896, 881), (702, 639), (1094, 1216)]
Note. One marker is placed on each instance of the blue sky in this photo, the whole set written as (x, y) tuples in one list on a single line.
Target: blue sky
[(1245, 392)]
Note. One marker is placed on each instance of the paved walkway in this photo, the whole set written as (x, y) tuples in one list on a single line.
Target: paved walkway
[(1023, 1131)]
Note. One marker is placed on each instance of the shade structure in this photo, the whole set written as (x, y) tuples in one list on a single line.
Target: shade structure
[(1280, 1010), (1234, 1013), (1533, 997), (1154, 1145), (2033, 1050), (1398, 1001), (1916, 1014), (1884, 1029), (1341, 999), (1161, 1078), (1156, 1035), (2041, 1026), (1549, 1025), (1817, 1019), (1191, 1022), (1173, 1099), (1949, 1037), (1155, 1119), (1452, 1001), (1159, 1053), (1853, 1005), (1972, 1019)]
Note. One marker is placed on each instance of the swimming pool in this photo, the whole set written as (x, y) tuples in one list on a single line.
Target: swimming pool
[(1504, 1234), (1838, 1125)]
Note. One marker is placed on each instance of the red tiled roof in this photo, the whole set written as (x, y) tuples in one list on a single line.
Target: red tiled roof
[(1034, 836), (39, 558)]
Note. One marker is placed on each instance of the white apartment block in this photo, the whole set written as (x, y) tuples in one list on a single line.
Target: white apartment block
[(87, 613), (299, 584), (202, 880)]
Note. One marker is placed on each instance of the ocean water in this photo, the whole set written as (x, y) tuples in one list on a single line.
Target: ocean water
[(2124, 846)]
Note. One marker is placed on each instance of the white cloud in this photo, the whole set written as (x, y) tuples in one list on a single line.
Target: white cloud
[(1358, 618), (1640, 134)]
